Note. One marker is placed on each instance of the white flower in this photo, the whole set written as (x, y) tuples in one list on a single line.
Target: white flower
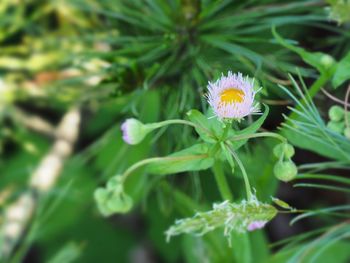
[(232, 97)]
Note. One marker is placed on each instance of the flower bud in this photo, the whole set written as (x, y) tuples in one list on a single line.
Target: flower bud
[(327, 61), (134, 131), (336, 113), (347, 132), (284, 148), (337, 127), (285, 170), (112, 199)]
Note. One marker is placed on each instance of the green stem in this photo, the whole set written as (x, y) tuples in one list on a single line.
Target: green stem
[(244, 173), (139, 164), (256, 135), (227, 127), (152, 126), (168, 122), (222, 182), (319, 83), (228, 157)]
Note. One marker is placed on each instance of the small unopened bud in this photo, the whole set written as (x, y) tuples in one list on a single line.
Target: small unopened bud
[(336, 113), (134, 131), (327, 61), (284, 149), (285, 170), (337, 127)]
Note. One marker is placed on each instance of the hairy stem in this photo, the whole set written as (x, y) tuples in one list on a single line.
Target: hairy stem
[(256, 135), (241, 166)]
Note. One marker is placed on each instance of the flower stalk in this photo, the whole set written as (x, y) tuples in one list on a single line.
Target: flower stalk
[(221, 181)]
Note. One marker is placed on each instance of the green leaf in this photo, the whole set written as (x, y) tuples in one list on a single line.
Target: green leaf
[(322, 186), (70, 252), (328, 177), (249, 130), (312, 143), (242, 248), (321, 61), (208, 129), (194, 158), (322, 211), (342, 72), (338, 252)]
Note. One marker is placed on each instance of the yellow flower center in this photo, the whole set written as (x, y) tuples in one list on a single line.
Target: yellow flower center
[(231, 95)]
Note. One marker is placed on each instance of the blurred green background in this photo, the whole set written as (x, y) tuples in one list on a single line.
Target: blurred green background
[(72, 71)]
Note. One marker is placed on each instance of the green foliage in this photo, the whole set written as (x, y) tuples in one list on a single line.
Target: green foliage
[(339, 10), (321, 61), (194, 158), (309, 131), (69, 253), (151, 60), (209, 129), (341, 74)]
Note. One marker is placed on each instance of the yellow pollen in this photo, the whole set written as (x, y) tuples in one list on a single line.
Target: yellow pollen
[(231, 95)]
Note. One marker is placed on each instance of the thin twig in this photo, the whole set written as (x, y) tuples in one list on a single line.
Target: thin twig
[(335, 99)]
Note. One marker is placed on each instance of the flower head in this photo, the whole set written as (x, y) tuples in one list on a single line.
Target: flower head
[(232, 96), (134, 131)]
